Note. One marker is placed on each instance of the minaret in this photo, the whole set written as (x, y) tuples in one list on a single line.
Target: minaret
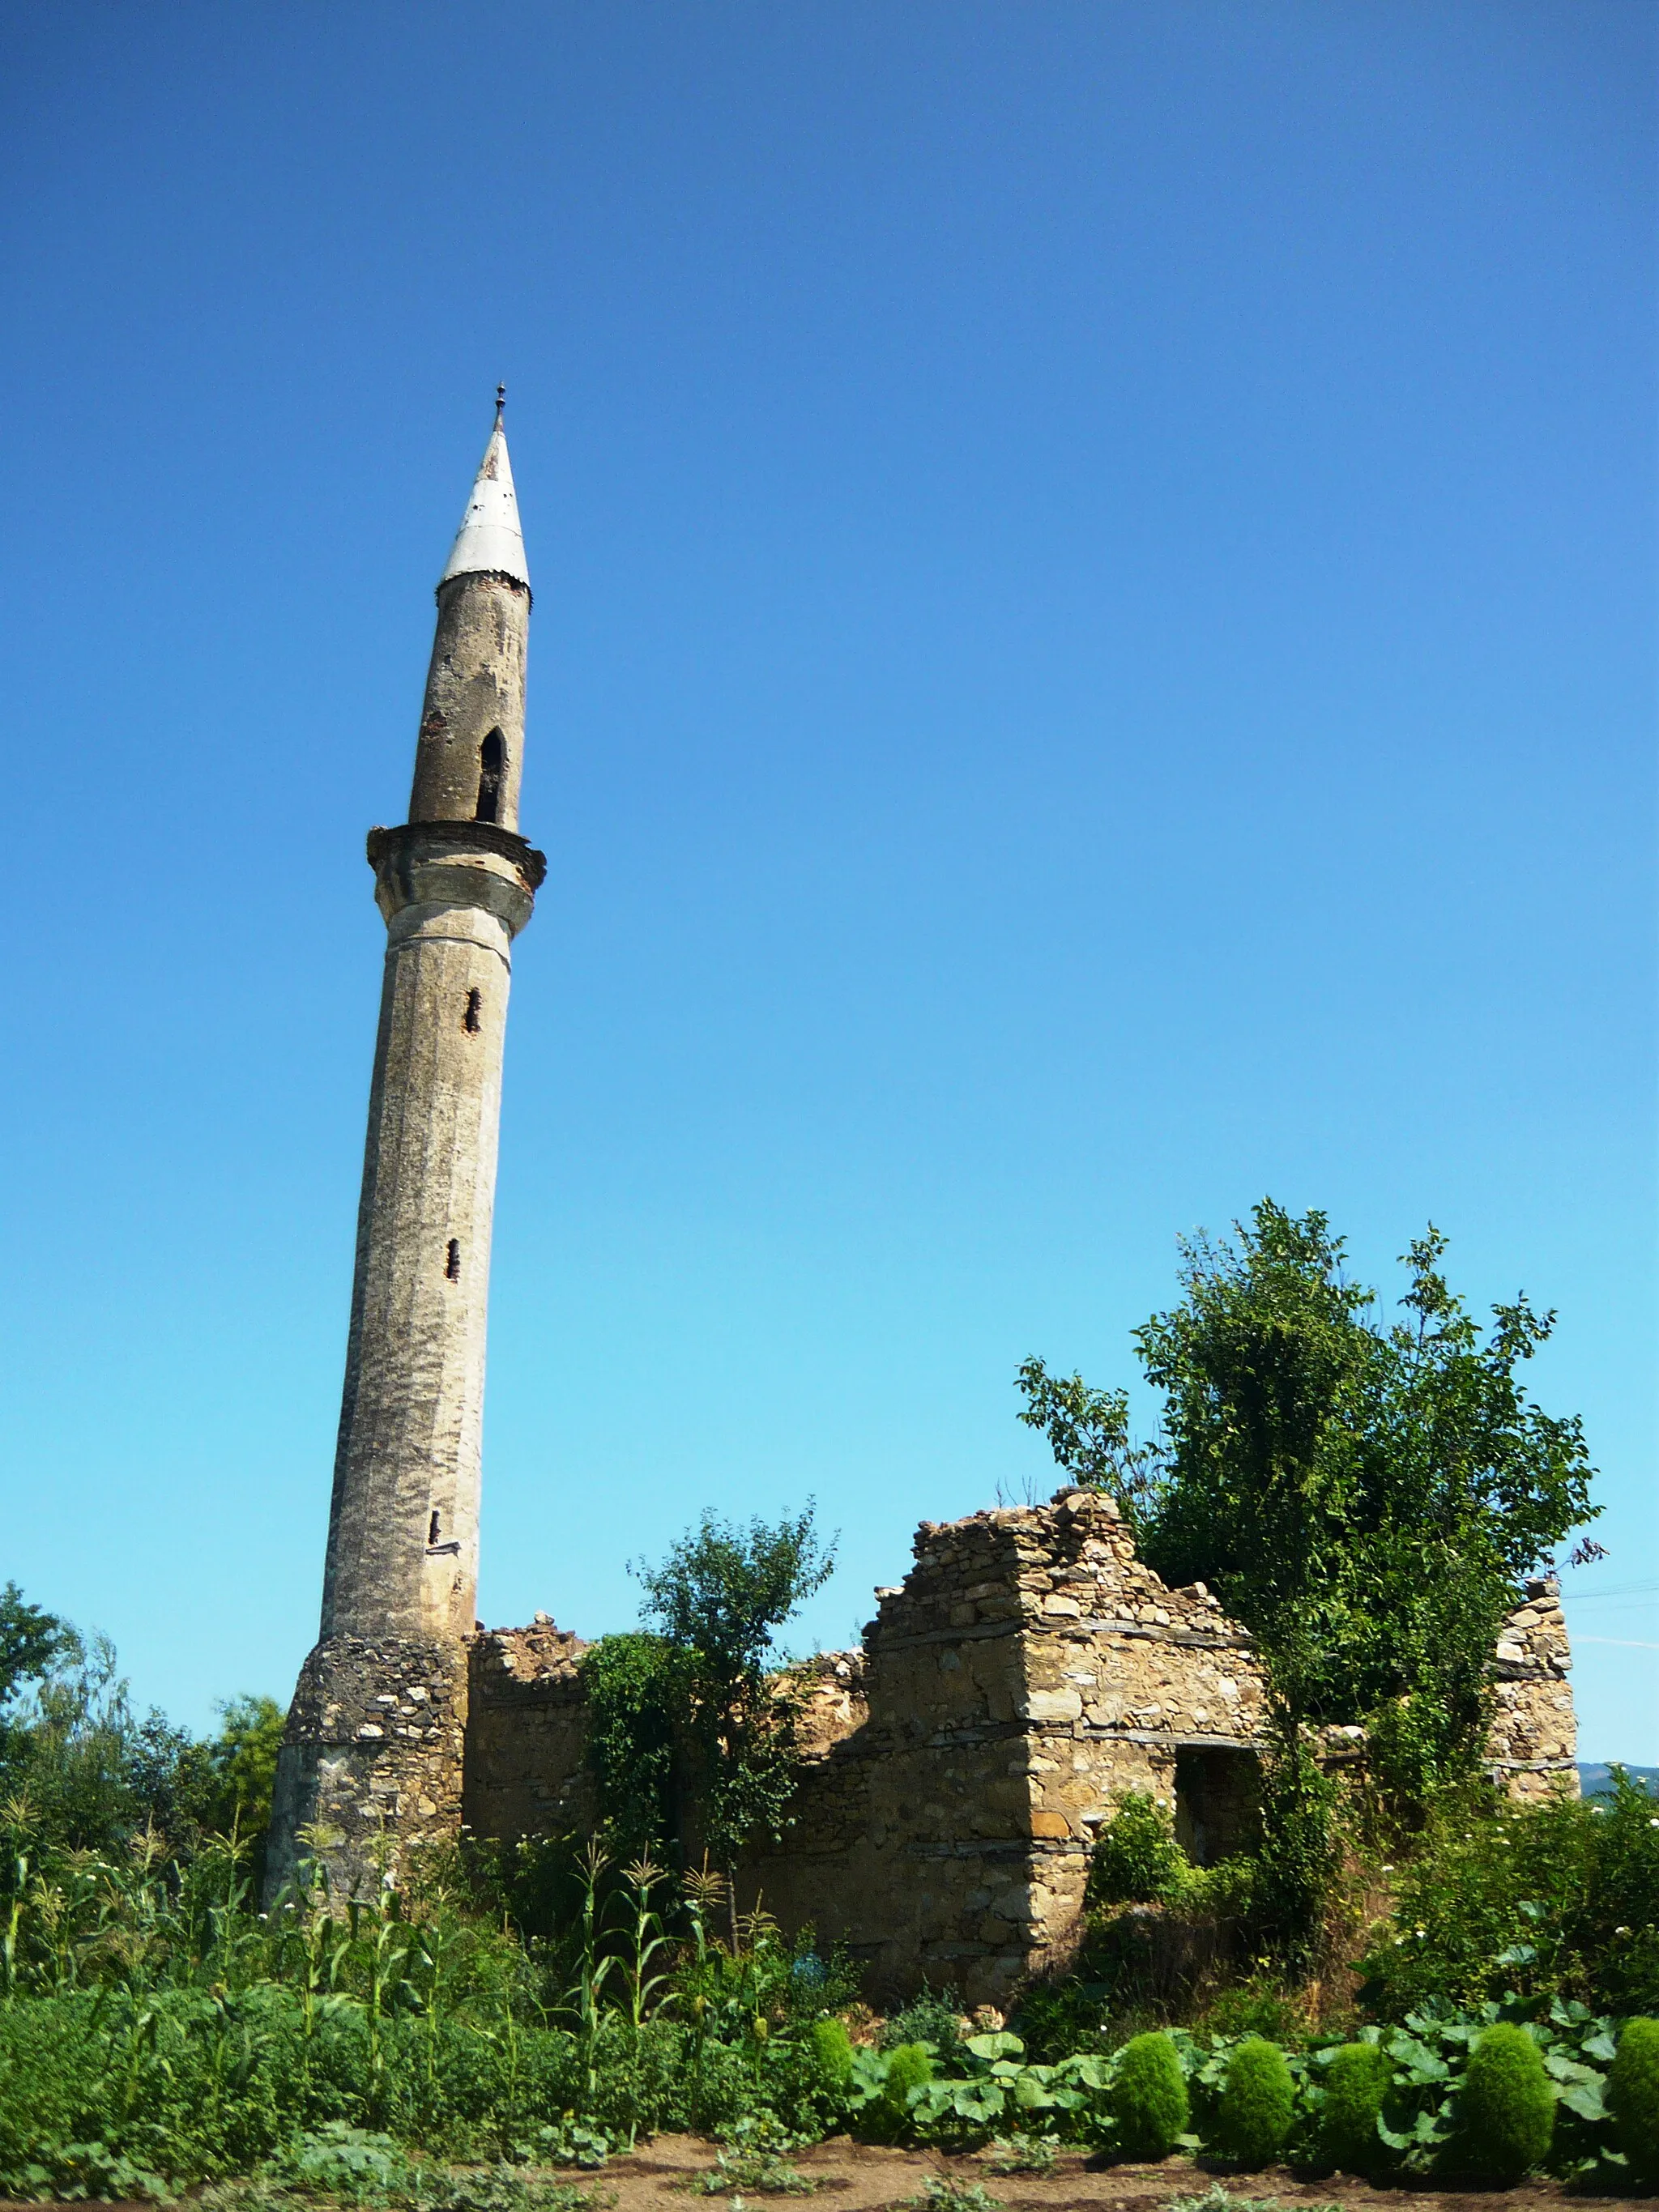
[(371, 1755)]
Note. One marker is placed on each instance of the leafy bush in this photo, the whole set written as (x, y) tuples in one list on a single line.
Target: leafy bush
[(1428, 2056), (1297, 1860), (1355, 2081), (1610, 1932), (738, 2167), (339, 2160), (943, 2192), (1258, 2104), (832, 2052), (1559, 1897), (1633, 2098), (1160, 1929), (1148, 2098), (910, 2068), (1037, 2155), (1056, 2018), (500, 2188), (1217, 2198), (718, 1599), (634, 1688), (1506, 2115), (934, 2017), (1136, 1859)]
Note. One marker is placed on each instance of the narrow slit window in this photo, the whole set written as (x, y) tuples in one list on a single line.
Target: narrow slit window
[(471, 1020), (452, 1264), (492, 759), (432, 1534)]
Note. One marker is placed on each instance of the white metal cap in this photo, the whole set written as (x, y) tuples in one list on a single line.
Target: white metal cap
[(490, 536)]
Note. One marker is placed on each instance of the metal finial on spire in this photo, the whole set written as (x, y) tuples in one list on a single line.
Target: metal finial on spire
[(490, 541)]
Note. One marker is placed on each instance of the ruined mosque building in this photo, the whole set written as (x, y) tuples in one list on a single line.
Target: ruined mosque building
[(1027, 1671)]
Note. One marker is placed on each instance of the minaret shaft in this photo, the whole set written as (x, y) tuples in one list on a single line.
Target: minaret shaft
[(371, 1756), (474, 694), (402, 1548)]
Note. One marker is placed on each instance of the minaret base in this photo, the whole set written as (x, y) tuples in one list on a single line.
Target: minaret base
[(370, 1762)]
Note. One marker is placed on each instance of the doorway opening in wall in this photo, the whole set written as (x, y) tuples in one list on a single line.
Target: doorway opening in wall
[(1218, 1802), (492, 756)]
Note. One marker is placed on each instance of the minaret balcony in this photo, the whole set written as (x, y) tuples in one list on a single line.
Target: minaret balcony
[(442, 865)]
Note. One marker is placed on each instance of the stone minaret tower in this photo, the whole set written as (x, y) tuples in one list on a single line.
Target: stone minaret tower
[(372, 1756)]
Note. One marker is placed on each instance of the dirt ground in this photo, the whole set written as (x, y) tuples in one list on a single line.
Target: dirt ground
[(851, 2176), (862, 2177)]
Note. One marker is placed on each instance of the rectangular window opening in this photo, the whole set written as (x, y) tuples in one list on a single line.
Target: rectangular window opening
[(1218, 1802)]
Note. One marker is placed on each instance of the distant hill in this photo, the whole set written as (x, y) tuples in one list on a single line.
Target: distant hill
[(1598, 1781)]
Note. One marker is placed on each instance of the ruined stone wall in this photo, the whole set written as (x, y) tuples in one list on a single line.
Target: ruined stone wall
[(1030, 1670), (911, 1839), (527, 1737), (1533, 1745), (1027, 1672)]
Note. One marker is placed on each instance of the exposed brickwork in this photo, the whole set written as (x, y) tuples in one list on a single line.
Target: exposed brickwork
[(475, 683)]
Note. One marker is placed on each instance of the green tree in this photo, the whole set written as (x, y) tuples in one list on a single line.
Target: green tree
[(31, 1640), (1365, 1497), (69, 1745), (1088, 1431), (719, 1600), (635, 1684), (90, 1773), (242, 1761)]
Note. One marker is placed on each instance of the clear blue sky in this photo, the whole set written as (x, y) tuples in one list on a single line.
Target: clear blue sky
[(1093, 658)]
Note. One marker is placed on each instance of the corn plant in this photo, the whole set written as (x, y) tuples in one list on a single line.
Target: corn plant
[(647, 1941)]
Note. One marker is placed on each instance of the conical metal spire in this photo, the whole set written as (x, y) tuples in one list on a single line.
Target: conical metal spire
[(489, 539)]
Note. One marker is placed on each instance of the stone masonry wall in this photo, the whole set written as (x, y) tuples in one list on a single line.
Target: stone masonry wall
[(1534, 1742), (1028, 1671), (371, 1758), (527, 1737)]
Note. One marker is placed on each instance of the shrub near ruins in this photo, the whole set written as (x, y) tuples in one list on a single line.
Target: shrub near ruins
[(1634, 2099), (1355, 2083), (1148, 2100), (1506, 2114), (910, 2068), (1556, 1898), (1258, 2104)]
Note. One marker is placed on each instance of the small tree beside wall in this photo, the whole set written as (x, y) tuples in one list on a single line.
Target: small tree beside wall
[(693, 1709)]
